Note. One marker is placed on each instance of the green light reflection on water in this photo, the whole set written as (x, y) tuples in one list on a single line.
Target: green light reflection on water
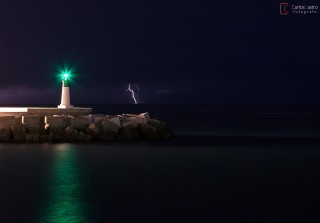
[(64, 203)]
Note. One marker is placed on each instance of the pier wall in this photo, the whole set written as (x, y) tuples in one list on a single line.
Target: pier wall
[(36, 127), (43, 111)]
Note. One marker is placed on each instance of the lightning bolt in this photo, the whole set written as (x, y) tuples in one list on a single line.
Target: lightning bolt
[(133, 94)]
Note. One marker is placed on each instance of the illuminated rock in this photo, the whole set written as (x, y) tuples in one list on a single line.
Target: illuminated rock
[(139, 120), (146, 116), (112, 125)]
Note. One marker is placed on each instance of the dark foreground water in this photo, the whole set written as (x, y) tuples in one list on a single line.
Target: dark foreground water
[(193, 179)]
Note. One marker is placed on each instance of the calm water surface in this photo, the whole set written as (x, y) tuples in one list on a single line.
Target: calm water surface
[(177, 181)]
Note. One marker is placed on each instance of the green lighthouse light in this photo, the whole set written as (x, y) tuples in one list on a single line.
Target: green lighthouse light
[(65, 76)]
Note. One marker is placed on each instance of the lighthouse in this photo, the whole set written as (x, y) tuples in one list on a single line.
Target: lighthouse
[(65, 94)]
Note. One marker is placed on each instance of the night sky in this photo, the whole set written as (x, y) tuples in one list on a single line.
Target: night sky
[(173, 51)]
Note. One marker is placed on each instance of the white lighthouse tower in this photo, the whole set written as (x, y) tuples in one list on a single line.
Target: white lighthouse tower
[(65, 95)]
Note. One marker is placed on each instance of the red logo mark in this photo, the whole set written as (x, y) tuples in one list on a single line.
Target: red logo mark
[(283, 8)]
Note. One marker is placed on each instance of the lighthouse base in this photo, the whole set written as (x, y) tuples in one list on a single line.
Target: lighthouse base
[(65, 106)]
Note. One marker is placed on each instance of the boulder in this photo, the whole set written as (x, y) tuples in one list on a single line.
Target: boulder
[(7, 121), (98, 118), (28, 138), (84, 137), (31, 121), (149, 132), (148, 128), (129, 133), (44, 131), (41, 131), (89, 118), (139, 120), (18, 120), (151, 136), (127, 122), (58, 138), (35, 137), (165, 133), (46, 138), (56, 121), (33, 131), (19, 133), (5, 135), (156, 123), (146, 116), (112, 125), (116, 121), (107, 136), (130, 115), (93, 129), (57, 133), (80, 123), (32, 137), (71, 135)]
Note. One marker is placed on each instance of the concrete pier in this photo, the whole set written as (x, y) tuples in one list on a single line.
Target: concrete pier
[(43, 111)]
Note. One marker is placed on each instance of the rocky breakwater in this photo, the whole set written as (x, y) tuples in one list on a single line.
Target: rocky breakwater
[(91, 128)]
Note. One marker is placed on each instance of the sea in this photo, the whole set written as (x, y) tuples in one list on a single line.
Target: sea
[(226, 163)]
